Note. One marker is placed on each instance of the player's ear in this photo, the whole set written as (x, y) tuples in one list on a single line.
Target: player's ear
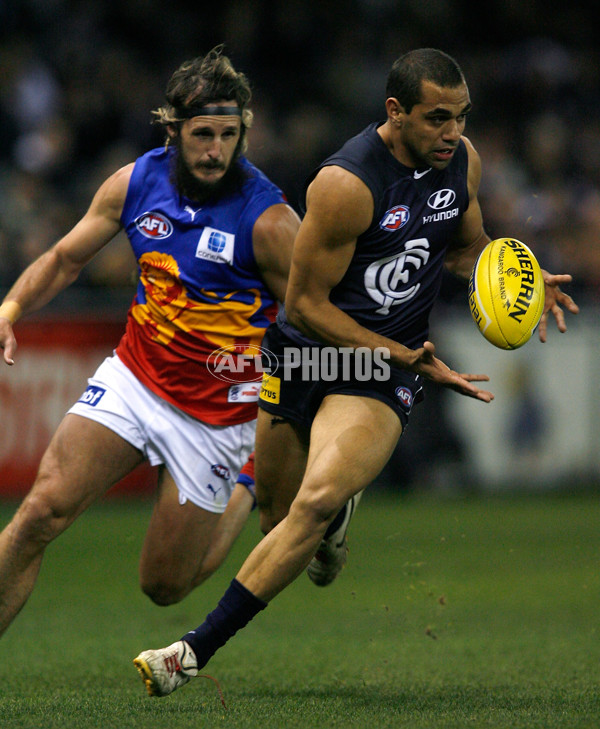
[(395, 111)]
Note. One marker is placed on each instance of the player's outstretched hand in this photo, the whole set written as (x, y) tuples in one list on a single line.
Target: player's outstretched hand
[(429, 366), (555, 298), (7, 340)]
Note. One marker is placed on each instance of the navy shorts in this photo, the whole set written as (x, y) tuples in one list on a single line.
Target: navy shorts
[(301, 377)]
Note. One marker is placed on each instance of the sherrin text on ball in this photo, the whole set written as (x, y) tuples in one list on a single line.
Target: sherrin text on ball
[(506, 293)]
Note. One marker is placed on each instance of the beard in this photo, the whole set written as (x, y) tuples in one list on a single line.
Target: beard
[(199, 191)]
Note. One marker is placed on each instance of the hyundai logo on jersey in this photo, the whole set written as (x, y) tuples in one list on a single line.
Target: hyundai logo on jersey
[(441, 199), (154, 225), (395, 218)]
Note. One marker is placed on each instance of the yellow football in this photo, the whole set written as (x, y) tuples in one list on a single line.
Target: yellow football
[(506, 293)]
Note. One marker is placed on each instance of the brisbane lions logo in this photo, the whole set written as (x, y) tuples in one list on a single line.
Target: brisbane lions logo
[(386, 280)]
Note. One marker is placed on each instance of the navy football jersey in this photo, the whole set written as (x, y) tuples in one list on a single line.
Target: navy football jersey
[(396, 271)]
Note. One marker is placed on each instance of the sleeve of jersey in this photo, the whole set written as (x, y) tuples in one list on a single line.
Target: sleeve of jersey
[(257, 205), (362, 171), (362, 168), (246, 477), (133, 190)]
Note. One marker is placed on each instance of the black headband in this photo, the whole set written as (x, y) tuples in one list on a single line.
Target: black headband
[(187, 112)]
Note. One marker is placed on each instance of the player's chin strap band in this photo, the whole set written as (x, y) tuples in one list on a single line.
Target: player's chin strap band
[(188, 112)]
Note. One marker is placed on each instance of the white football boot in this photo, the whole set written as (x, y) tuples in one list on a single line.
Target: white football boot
[(166, 669), (332, 553)]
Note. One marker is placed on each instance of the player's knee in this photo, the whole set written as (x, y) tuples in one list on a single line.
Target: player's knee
[(165, 591), (39, 520), (168, 587), (317, 505)]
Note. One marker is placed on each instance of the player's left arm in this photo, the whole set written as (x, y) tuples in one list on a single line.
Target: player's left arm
[(471, 238), (272, 239)]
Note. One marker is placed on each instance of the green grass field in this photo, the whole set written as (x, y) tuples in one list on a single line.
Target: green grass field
[(482, 612)]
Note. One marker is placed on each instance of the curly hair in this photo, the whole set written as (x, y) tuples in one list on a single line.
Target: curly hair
[(201, 81)]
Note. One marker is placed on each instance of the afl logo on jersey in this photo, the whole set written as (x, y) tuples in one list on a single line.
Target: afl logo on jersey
[(405, 396), (395, 218), (154, 225), (220, 470)]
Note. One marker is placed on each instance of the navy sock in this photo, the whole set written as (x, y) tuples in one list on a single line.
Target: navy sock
[(337, 522), (236, 608)]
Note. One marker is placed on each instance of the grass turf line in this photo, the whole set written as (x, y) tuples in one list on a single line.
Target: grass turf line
[(451, 613)]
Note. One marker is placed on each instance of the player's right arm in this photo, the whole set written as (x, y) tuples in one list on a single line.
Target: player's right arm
[(60, 265)]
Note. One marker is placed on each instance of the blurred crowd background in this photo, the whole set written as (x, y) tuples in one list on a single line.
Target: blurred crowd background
[(78, 81)]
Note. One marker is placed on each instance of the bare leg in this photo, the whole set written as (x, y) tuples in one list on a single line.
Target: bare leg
[(228, 528), (352, 439), (185, 544), (281, 455), (84, 459)]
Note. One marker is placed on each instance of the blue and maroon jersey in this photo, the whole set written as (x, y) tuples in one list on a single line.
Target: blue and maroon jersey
[(396, 271), (199, 290)]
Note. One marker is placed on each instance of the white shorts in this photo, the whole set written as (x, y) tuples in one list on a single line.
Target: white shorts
[(204, 460)]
